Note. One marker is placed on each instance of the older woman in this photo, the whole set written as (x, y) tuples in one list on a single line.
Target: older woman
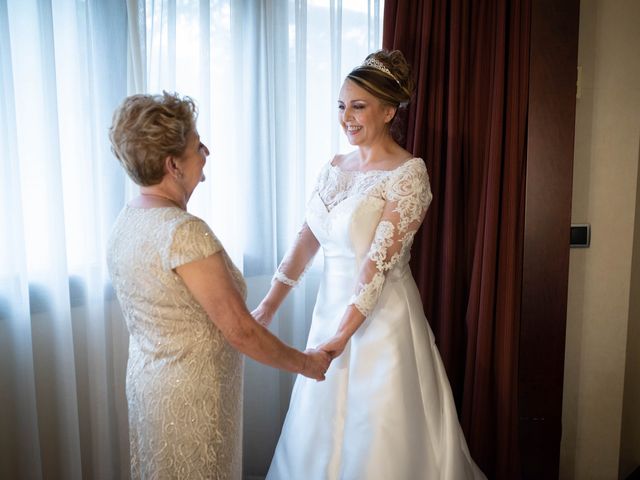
[(183, 301), (386, 409)]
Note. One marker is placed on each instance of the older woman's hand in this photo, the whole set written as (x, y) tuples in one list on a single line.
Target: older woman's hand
[(316, 365)]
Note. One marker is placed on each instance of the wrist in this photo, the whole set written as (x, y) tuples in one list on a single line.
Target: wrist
[(304, 363), (343, 335), (267, 308)]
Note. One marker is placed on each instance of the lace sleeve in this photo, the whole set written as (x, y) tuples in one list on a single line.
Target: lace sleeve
[(299, 257), (408, 196)]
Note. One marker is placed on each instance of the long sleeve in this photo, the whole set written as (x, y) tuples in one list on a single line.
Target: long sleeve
[(408, 196), (298, 258)]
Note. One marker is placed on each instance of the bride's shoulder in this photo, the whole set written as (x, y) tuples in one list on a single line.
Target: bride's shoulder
[(416, 163), (411, 166), (345, 161), (324, 172), (412, 172), (337, 160)]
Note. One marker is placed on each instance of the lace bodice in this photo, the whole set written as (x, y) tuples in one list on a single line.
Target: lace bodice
[(398, 199), (335, 185)]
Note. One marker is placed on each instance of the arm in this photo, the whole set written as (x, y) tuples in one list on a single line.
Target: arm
[(211, 284), (408, 197), (288, 274)]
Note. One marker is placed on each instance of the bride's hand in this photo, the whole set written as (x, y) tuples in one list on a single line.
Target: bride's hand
[(263, 315), (334, 346), (316, 364)]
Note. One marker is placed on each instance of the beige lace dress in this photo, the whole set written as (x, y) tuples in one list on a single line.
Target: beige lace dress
[(184, 381)]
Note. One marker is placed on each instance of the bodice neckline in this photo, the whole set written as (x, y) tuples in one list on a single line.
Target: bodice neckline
[(131, 207), (378, 171)]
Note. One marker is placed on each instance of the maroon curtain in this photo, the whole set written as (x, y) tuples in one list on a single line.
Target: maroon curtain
[(468, 121)]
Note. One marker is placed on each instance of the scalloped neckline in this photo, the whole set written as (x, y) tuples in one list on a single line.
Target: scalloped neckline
[(340, 169)]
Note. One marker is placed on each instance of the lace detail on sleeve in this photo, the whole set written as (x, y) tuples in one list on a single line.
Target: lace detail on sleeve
[(408, 196), (282, 277), (298, 259), (300, 256), (366, 299)]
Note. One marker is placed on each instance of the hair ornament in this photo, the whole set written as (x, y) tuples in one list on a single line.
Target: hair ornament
[(378, 65)]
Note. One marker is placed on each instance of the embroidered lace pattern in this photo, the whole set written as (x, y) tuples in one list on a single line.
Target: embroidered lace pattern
[(184, 380), (336, 185), (407, 194), (282, 277), (283, 273)]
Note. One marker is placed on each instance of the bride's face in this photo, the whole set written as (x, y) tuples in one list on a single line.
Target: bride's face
[(363, 117)]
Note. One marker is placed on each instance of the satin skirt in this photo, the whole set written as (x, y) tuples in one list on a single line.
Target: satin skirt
[(385, 410)]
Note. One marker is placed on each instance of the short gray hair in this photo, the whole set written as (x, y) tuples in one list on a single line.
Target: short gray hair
[(146, 129)]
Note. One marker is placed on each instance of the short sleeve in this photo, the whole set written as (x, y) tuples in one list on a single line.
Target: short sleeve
[(192, 240)]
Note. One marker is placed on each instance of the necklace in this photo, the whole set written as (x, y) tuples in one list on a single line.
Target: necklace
[(163, 197)]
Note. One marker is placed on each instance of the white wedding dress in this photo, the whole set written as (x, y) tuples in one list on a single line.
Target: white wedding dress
[(385, 410)]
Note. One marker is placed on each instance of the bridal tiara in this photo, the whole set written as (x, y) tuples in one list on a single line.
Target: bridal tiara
[(378, 65)]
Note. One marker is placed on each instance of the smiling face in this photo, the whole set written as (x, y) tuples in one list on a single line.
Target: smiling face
[(363, 117), (192, 162)]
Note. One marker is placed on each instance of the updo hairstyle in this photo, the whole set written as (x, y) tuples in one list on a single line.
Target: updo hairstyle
[(387, 76), (394, 87), (146, 129)]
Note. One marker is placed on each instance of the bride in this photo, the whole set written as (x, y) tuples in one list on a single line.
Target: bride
[(385, 410)]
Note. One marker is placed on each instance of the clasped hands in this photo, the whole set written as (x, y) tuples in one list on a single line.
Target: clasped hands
[(317, 359)]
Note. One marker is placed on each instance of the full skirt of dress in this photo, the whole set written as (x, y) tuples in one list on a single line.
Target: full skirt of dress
[(385, 410)]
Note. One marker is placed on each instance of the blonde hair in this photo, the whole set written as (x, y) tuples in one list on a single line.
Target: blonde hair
[(391, 82), (146, 129)]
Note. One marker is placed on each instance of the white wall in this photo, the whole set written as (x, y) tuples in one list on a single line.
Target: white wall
[(605, 195)]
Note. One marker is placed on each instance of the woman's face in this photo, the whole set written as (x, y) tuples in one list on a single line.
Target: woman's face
[(363, 117), (192, 162)]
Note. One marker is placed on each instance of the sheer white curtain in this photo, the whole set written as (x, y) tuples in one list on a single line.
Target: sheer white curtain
[(63, 70), (265, 75)]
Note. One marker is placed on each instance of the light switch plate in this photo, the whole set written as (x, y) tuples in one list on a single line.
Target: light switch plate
[(580, 235)]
